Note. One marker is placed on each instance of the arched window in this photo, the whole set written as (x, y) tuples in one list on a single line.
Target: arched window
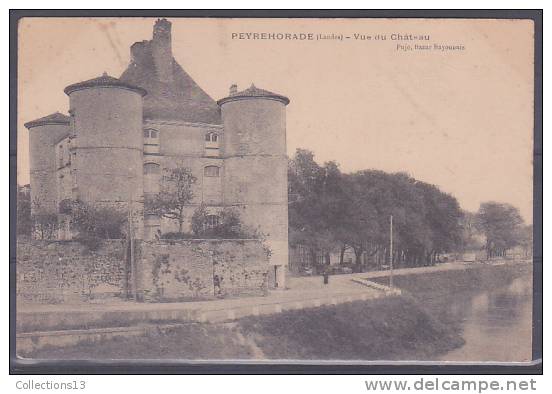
[(151, 133), (211, 171), (211, 137), (212, 221), (212, 144), (151, 168)]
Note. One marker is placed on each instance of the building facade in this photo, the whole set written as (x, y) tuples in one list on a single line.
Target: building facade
[(123, 133)]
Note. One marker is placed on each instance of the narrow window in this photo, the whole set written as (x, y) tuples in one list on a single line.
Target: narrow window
[(212, 221), (211, 137), (150, 133), (61, 156), (211, 171)]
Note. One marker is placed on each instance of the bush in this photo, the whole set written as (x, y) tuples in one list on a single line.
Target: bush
[(45, 225), (24, 221), (176, 235), (229, 225), (94, 222)]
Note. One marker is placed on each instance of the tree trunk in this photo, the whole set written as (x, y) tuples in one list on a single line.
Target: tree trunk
[(342, 255), (314, 264), (358, 255)]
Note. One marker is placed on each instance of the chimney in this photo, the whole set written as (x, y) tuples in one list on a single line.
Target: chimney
[(233, 89), (162, 32), (161, 49)]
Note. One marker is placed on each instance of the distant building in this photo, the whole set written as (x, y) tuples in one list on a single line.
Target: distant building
[(122, 133)]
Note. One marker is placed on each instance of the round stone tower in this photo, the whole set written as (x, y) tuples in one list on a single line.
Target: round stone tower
[(109, 143), (43, 135), (255, 178)]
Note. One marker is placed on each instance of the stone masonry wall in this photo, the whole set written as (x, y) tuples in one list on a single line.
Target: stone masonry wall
[(184, 269), (66, 271)]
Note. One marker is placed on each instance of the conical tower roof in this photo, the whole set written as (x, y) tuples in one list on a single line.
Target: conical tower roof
[(254, 92), (103, 81), (55, 118)]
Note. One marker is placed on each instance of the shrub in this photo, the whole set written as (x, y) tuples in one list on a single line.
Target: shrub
[(176, 235), (94, 222), (229, 225), (45, 225), (24, 221)]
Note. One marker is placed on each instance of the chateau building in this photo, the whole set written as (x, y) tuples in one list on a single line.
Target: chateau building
[(123, 133)]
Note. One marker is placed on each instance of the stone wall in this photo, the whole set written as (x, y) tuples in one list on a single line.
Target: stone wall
[(67, 271), (184, 269), (181, 270)]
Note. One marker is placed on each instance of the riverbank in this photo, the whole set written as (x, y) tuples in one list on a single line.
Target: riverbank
[(418, 326), (390, 328)]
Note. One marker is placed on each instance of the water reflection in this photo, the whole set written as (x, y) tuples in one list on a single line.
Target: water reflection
[(497, 324)]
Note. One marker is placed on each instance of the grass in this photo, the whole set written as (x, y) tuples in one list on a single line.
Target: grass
[(390, 328), (384, 329)]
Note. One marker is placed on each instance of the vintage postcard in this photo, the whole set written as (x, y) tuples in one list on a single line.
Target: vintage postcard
[(275, 190)]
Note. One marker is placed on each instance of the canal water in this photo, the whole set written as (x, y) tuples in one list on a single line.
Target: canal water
[(497, 325)]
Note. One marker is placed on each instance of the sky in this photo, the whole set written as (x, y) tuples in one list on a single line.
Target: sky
[(462, 120)]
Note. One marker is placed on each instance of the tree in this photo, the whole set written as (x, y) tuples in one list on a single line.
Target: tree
[(443, 220), (526, 239), (24, 222), (199, 220), (502, 226), (471, 238), (175, 195), (314, 203), (329, 209), (44, 222)]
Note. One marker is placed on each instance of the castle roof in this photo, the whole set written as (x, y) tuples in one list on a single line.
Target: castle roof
[(172, 93), (103, 81), (254, 92), (180, 99), (55, 118)]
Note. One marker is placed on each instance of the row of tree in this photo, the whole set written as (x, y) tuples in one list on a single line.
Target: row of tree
[(332, 210), (328, 210)]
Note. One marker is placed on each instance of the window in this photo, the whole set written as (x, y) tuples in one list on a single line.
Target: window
[(151, 168), (150, 216), (211, 171), (150, 133), (211, 137), (212, 221), (60, 156)]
